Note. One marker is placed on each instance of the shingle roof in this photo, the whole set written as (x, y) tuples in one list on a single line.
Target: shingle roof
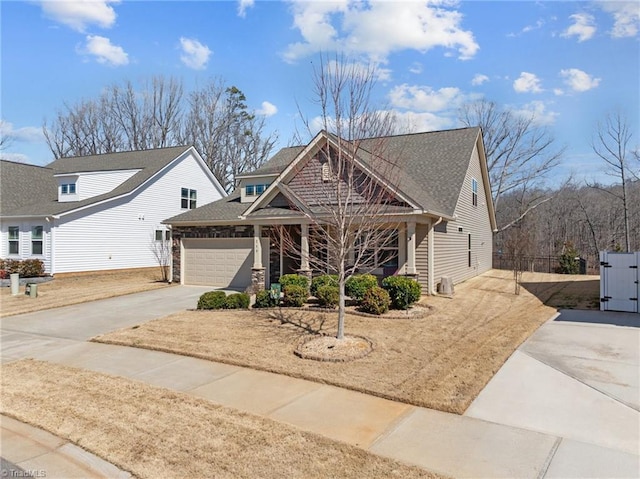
[(277, 162), (433, 165), (37, 195), (432, 168), (22, 185), (225, 209)]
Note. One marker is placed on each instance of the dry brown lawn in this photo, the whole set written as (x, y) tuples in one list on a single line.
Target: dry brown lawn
[(153, 432), (80, 288), (441, 361)]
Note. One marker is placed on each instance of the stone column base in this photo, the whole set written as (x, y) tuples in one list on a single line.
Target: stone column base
[(257, 281)]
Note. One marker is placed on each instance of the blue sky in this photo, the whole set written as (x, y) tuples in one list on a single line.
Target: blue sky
[(569, 62)]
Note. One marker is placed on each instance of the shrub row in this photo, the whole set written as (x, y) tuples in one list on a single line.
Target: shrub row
[(219, 300), (28, 268), (397, 292)]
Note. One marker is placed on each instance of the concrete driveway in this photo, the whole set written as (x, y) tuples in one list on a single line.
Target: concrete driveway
[(29, 335), (576, 378)]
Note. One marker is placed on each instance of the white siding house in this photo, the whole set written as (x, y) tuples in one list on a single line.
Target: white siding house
[(100, 212)]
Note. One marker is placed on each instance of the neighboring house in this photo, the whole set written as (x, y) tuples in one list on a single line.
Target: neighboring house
[(443, 220), (99, 212)]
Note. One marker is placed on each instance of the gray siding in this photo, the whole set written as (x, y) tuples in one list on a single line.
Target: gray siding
[(422, 255), (451, 248)]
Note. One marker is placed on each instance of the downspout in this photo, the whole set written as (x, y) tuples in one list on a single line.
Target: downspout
[(431, 256), (170, 276), (52, 249)]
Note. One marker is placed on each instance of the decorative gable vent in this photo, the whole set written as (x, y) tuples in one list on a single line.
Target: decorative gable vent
[(326, 172)]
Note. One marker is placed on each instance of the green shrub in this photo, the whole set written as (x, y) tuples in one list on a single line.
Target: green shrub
[(358, 284), (569, 261), (212, 300), (324, 280), (294, 295), (236, 301), (264, 300), (402, 290), (28, 268), (294, 279), (328, 296), (375, 301)]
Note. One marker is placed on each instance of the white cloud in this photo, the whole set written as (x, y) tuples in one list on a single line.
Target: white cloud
[(243, 5), (578, 80), (626, 17), (425, 98), (104, 51), (268, 109), (194, 54), (558, 91), (15, 157), (27, 134), (538, 111), (583, 27), (527, 83), (416, 68), (79, 14), (479, 79), (377, 29)]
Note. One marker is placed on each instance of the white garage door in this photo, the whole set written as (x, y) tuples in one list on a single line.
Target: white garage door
[(222, 262)]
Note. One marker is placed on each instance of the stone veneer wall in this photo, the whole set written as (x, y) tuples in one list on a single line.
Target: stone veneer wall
[(180, 232)]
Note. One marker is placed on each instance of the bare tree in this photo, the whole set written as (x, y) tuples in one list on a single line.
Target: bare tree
[(612, 144), (229, 137), (161, 247), (348, 208), (520, 152), (215, 119)]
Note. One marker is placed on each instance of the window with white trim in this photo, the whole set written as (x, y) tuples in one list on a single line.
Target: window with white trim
[(37, 238), (188, 199), (14, 240), (255, 190), (163, 235), (474, 192), (68, 188)]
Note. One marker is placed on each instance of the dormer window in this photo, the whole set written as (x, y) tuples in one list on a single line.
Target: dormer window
[(255, 190), (68, 188)]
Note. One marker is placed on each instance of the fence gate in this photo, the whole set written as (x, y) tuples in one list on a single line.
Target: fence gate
[(619, 288)]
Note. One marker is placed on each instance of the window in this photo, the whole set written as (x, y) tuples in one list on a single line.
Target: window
[(188, 199), (384, 254), (68, 189), (160, 234), (474, 192), (255, 190), (14, 240), (36, 240)]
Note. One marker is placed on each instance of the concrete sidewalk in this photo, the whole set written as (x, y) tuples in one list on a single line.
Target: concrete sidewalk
[(563, 430), (455, 445)]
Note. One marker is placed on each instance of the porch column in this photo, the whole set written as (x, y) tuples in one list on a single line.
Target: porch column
[(411, 248), (430, 259), (304, 246), (257, 271), (402, 250), (304, 270)]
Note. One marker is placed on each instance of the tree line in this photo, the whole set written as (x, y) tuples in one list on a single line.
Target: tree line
[(159, 113)]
